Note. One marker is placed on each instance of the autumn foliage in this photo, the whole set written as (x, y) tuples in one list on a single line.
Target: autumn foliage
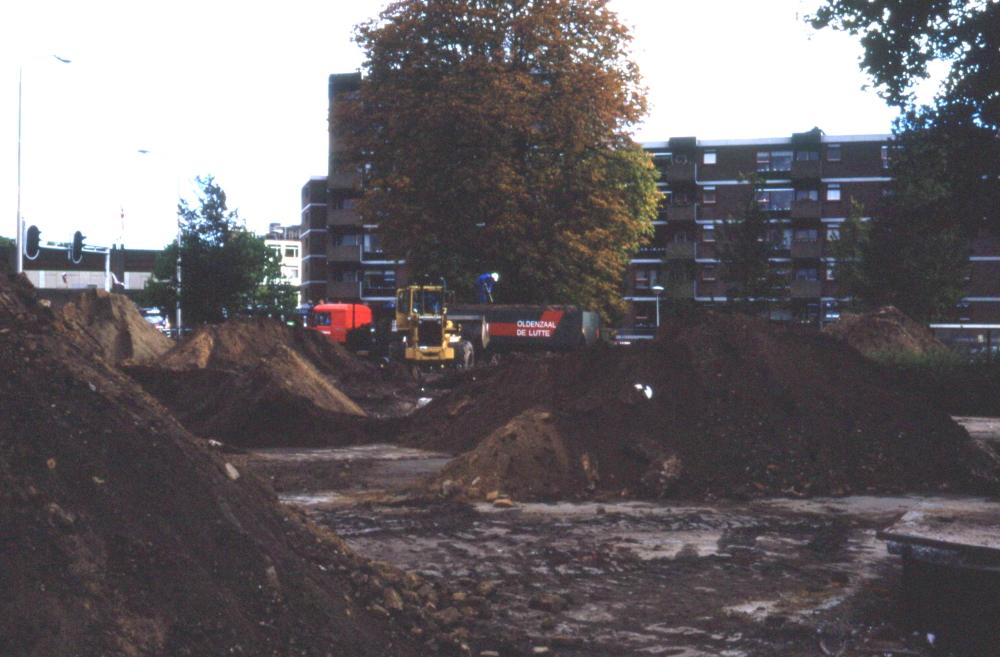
[(493, 135)]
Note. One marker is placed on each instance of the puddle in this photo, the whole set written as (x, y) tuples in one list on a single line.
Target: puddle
[(377, 452)]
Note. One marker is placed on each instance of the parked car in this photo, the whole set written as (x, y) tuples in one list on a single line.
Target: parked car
[(156, 318)]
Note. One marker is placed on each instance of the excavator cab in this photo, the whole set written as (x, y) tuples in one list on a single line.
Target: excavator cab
[(429, 338)]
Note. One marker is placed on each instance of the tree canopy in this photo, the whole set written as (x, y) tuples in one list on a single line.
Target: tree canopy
[(958, 136), (900, 39), (748, 243), (225, 269), (492, 135)]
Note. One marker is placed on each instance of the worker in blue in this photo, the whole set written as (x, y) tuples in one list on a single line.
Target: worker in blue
[(484, 287)]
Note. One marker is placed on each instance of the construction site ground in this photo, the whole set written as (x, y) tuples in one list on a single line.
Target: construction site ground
[(769, 577)]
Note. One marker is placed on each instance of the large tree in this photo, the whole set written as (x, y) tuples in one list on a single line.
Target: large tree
[(225, 269), (492, 135), (958, 133), (748, 244)]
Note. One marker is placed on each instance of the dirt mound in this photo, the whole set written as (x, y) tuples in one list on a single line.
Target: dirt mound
[(256, 383), (884, 331), (280, 400), (717, 405), (116, 325), (241, 343), (121, 535)]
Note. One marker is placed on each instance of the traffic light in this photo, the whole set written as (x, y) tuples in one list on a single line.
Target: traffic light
[(76, 251), (31, 241)]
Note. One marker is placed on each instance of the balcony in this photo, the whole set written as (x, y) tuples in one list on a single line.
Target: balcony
[(679, 172), (343, 218), (807, 249), (806, 289), (807, 169), (807, 209), (375, 255), (343, 289), (679, 251), (681, 290), (368, 291), (343, 253), (649, 252), (343, 180), (678, 212)]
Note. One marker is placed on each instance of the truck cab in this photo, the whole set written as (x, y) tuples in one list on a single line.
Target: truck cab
[(336, 319)]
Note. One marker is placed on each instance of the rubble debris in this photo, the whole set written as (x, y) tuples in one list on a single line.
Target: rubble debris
[(743, 409)]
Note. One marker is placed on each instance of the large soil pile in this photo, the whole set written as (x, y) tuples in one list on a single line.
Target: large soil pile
[(717, 405), (118, 328), (255, 382), (121, 535), (885, 331)]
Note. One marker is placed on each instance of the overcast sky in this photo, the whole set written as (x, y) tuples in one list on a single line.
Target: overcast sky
[(239, 91)]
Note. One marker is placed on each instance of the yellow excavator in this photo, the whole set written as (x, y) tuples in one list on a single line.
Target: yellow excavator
[(430, 339)]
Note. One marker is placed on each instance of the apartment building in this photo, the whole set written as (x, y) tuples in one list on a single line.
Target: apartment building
[(342, 258), (810, 181), (286, 242)]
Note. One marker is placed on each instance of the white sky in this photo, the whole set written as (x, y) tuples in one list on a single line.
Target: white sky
[(239, 91)]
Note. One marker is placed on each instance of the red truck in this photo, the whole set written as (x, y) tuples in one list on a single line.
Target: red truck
[(336, 319)]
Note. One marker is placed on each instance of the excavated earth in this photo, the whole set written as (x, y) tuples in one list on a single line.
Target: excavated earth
[(885, 331), (123, 534), (716, 406), (120, 332), (256, 382)]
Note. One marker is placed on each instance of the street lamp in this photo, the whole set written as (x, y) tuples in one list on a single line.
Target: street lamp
[(178, 171), (658, 290), (18, 239)]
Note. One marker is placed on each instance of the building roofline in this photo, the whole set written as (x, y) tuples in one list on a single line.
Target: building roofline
[(763, 141)]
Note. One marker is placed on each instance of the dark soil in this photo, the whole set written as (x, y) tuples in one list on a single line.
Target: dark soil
[(116, 326), (885, 331), (739, 408), (120, 534), (255, 382)]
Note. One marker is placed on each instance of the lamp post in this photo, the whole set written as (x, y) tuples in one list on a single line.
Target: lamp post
[(19, 237), (179, 233), (658, 290)]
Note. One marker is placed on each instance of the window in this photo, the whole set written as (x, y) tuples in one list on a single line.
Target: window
[(806, 274), (293, 273), (350, 276), (833, 153), (708, 233), (708, 272), (833, 192), (709, 157), (350, 240), (885, 157), (774, 160), (781, 237), (708, 195), (832, 234), (806, 234), (660, 159), (291, 252), (807, 195), (830, 274), (680, 198), (774, 200), (807, 156), (681, 237), (646, 278)]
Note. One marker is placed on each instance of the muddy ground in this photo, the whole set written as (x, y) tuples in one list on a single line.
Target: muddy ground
[(772, 577)]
